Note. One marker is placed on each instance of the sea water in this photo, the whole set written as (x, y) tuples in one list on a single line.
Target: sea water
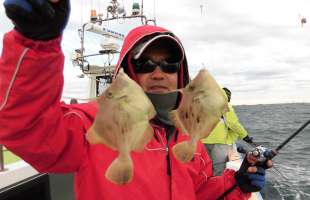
[(270, 125)]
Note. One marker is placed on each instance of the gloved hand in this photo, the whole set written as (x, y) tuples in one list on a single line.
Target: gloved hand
[(251, 182), (248, 139), (38, 19)]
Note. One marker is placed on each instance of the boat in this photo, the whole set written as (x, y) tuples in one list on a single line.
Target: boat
[(19, 180)]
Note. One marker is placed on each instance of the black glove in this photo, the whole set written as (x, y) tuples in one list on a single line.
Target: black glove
[(250, 182), (248, 139), (38, 19)]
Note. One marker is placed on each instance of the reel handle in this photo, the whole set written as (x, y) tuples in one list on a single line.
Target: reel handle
[(261, 153)]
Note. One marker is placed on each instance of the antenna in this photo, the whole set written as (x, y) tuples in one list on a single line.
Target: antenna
[(203, 65), (154, 10), (141, 7), (82, 5)]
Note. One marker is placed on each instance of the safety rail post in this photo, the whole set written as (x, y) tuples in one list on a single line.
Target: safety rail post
[(1, 158)]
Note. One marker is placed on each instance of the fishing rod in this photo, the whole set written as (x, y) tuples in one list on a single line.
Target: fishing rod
[(262, 154), (292, 136)]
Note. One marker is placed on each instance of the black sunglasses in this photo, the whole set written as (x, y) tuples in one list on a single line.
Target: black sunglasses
[(143, 66)]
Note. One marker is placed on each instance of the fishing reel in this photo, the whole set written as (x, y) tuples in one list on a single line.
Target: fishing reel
[(261, 153)]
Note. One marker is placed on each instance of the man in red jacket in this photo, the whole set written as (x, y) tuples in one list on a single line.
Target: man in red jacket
[(51, 135)]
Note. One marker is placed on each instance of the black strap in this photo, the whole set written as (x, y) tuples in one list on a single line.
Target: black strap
[(227, 192)]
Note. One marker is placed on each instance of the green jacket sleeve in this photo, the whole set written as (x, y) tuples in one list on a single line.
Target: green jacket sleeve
[(235, 129)]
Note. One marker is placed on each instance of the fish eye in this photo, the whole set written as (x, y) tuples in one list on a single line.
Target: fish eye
[(191, 87), (109, 94)]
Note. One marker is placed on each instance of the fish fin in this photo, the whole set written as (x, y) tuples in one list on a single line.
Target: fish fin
[(225, 102), (152, 112), (208, 127), (100, 99), (226, 108), (146, 137), (93, 138), (184, 151), (120, 171), (174, 117)]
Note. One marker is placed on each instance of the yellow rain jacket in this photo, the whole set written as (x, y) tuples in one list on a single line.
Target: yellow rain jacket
[(227, 131)]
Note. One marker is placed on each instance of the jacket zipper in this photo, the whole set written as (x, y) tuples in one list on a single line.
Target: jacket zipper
[(167, 148), (168, 162), (172, 137)]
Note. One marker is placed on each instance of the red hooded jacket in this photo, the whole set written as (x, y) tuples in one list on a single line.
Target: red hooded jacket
[(51, 135)]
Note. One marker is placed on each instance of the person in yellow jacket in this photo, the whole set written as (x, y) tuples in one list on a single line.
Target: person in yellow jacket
[(223, 136)]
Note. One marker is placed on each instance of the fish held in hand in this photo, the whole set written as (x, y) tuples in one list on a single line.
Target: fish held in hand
[(122, 124), (203, 103)]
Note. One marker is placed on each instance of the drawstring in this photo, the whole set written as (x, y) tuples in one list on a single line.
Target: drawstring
[(132, 73)]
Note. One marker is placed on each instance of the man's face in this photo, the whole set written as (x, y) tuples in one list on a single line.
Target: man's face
[(157, 81)]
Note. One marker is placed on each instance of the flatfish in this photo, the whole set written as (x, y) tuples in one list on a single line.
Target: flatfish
[(203, 103), (122, 124)]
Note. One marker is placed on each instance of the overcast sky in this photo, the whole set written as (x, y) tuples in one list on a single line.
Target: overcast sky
[(257, 48)]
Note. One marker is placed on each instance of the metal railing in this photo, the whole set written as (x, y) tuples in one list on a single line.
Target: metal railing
[(1, 158)]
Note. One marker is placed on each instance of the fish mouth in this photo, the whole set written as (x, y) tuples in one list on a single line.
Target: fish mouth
[(157, 89), (121, 97)]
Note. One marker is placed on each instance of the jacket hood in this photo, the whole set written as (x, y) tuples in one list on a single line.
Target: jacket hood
[(134, 37)]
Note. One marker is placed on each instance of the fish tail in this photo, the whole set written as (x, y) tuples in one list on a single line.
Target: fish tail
[(120, 170), (92, 137), (184, 151), (146, 137)]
